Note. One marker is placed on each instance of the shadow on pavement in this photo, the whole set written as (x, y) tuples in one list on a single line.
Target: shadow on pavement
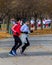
[(6, 55)]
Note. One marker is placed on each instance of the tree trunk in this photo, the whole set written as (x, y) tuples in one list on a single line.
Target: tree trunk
[(51, 24), (41, 24), (35, 22), (8, 23)]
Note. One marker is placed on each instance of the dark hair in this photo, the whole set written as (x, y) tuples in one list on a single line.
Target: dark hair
[(18, 18), (25, 20)]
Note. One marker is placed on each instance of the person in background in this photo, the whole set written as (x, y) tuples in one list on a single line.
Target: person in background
[(12, 22), (32, 22)]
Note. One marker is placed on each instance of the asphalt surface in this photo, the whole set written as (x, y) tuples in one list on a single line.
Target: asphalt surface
[(38, 53)]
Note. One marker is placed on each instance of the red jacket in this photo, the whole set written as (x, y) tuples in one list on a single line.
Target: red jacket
[(16, 28)]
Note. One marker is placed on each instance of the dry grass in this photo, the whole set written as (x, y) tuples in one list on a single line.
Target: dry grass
[(41, 32), (4, 35)]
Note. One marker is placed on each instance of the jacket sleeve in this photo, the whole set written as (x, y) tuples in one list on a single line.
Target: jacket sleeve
[(13, 28), (22, 28)]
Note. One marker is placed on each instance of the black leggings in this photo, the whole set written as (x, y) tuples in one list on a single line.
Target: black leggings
[(17, 44), (25, 45)]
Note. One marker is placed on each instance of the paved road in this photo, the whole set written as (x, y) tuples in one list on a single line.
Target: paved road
[(34, 41), (38, 53)]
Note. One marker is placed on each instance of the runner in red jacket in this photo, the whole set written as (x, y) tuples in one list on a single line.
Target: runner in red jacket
[(16, 29), (16, 34)]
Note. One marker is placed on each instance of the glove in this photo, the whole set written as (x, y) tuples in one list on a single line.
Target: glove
[(31, 31)]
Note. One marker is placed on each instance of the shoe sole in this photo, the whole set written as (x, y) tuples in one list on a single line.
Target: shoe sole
[(11, 55)]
